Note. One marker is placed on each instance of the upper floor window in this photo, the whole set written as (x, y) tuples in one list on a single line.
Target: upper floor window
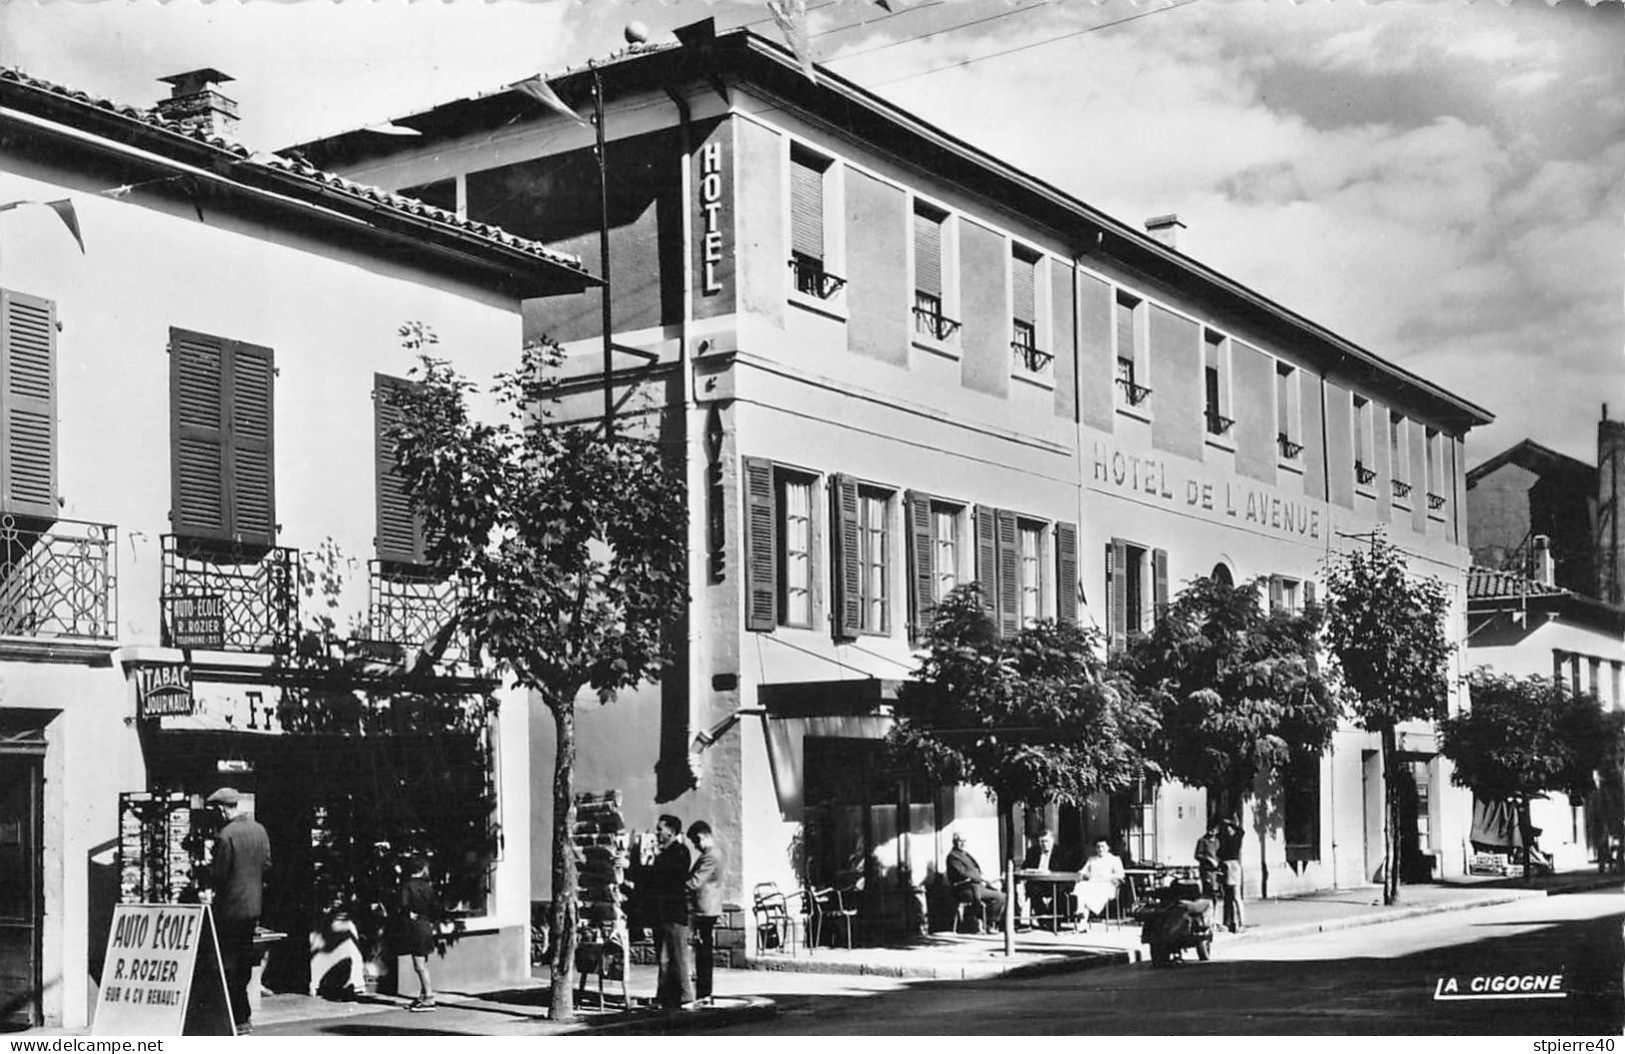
[(946, 551), (937, 555), (1216, 382), (1030, 538), (861, 560), (1287, 594), (809, 224), (1288, 412), (222, 479), (1399, 456), (1365, 472), (28, 437), (1133, 573), (778, 549), (1029, 358), (1129, 329), (930, 275)]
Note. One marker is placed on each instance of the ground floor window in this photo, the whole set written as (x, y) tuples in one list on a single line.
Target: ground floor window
[(1300, 807)]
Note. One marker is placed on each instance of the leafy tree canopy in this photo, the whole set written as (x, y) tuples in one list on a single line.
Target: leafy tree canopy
[(1238, 689), (1523, 737), (1037, 717), (1387, 633)]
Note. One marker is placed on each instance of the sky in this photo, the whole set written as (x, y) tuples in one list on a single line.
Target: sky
[(1441, 182)]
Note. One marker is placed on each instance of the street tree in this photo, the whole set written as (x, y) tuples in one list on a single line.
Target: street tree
[(568, 552), (1238, 690), (1386, 630), (1036, 717), (1524, 737)]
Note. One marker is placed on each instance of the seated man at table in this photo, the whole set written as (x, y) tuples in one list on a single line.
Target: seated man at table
[(966, 881), (1102, 875), (1041, 856)]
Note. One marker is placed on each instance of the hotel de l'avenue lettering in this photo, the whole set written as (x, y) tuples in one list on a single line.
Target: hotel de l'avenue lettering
[(1250, 504)]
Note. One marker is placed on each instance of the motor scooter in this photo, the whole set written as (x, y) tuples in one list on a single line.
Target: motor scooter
[(1175, 917)]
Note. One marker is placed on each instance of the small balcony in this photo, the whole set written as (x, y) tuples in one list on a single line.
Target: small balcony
[(1364, 476), (1024, 348), (1133, 394), (1435, 502), (1217, 423), (410, 609), (929, 321), (1290, 451), (229, 598), (58, 579), (811, 278), (1401, 489)]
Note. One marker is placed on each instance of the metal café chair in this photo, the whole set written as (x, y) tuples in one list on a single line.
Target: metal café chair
[(775, 925), (829, 905)]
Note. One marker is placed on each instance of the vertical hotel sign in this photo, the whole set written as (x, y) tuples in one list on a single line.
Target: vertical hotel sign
[(711, 219)]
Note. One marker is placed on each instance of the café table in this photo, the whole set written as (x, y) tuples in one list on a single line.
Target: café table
[(1061, 884)]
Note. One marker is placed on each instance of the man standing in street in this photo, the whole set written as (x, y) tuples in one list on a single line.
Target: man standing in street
[(242, 855), (705, 898), (1207, 863), (669, 890), (1230, 835)]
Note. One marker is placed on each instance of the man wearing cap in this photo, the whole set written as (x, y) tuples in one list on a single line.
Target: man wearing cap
[(242, 855)]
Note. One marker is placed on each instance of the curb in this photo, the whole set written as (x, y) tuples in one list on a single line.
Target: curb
[(972, 971), (738, 1009)]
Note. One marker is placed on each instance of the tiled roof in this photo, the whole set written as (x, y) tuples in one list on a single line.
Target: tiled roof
[(1484, 583), (298, 167)]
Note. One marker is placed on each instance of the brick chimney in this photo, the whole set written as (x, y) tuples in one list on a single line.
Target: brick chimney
[(194, 102), (1168, 230), (1542, 568), (1610, 491)]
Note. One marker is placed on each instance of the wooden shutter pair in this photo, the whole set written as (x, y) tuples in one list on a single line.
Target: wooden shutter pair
[(28, 440), (1117, 588), (806, 206), (761, 547), (998, 567), (922, 563), (400, 537), (222, 455)]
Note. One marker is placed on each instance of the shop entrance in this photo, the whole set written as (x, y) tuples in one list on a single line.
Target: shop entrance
[(21, 903)]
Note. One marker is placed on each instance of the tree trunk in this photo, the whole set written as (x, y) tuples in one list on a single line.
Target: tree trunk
[(562, 945), (1526, 828), (1391, 834)]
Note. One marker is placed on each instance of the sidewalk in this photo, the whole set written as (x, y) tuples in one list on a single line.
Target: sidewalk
[(742, 994)]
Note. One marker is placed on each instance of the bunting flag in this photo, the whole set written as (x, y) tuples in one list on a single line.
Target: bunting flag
[(791, 15), (537, 88), (64, 211)]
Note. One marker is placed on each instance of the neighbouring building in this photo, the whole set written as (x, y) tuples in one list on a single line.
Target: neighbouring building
[(208, 571), (895, 363)]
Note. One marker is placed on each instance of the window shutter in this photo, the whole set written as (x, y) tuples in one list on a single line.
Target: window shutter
[(1021, 289), (806, 207), (921, 563), (987, 559), (1159, 580), (27, 405), (1117, 592), (848, 572), (761, 547), (400, 526), (197, 367), (1276, 592), (252, 475), (1308, 592), (1009, 546), (1125, 329), (928, 254), (1066, 573)]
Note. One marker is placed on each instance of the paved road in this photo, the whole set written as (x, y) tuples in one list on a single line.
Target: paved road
[(1363, 981)]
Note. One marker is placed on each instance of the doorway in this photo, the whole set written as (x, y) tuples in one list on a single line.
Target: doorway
[(21, 903)]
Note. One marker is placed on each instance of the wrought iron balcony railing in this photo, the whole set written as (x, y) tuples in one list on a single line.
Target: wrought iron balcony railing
[(58, 579), (1435, 501), (1362, 475), (1217, 423), (929, 321), (1030, 358), (1401, 489), (413, 609), (1289, 449), (1135, 394), (229, 598), (812, 279)]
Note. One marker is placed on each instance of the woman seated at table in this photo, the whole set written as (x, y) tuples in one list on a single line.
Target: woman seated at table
[(1102, 875)]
